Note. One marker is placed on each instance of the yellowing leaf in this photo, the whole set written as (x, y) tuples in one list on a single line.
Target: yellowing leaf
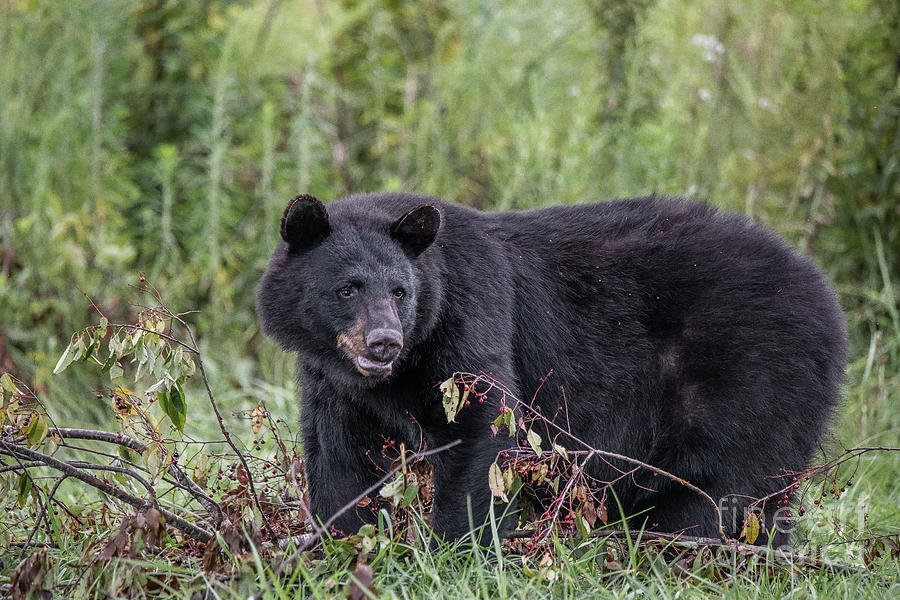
[(751, 528), (256, 417), (561, 451), (534, 440), (495, 480), (451, 401)]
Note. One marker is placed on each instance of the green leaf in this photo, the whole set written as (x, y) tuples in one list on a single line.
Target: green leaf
[(36, 431), (151, 460), (101, 331), (511, 421), (116, 346), (116, 373), (24, 489), (127, 453), (451, 401), (86, 343), (394, 490), (534, 440), (6, 382), (172, 403), (68, 356), (582, 526), (495, 481), (409, 494)]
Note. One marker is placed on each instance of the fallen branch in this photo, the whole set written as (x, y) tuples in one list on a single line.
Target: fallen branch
[(186, 483), (184, 526)]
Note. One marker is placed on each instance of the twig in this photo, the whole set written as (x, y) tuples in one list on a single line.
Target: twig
[(44, 508), (21, 465), (165, 336), (613, 455), (80, 464)]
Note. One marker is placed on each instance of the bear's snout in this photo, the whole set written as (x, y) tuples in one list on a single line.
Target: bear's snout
[(384, 344), (375, 340)]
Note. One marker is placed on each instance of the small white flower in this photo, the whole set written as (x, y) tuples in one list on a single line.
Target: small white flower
[(704, 94), (710, 44), (764, 102)]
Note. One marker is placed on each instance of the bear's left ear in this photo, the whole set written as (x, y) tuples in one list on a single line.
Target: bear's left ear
[(417, 229), (305, 223)]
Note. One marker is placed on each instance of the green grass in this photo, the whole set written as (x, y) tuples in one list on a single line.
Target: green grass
[(577, 571)]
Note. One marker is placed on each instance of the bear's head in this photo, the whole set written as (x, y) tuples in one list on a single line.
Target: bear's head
[(342, 288)]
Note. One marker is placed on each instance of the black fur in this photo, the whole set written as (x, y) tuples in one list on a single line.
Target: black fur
[(682, 336)]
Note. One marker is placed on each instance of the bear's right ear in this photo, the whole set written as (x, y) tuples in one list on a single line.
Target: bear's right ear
[(305, 223)]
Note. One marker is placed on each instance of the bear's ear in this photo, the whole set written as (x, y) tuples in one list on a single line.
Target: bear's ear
[(417, 229), (305, 223)]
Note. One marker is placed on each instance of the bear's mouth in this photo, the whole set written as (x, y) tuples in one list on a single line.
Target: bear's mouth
[(369, 367)]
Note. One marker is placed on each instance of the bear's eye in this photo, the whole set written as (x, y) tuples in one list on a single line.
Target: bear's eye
[(348, 291), (399, 293)]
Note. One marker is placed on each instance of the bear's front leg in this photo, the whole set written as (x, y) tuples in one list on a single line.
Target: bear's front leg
[(461, 481), (341, 463), (334, 484)]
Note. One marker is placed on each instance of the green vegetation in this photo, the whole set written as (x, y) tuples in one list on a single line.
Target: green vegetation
[(163, 139)]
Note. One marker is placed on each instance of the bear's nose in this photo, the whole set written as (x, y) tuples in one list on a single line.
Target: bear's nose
[(384, 344)]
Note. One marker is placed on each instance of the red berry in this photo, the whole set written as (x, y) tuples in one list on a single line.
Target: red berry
[(142, 279)]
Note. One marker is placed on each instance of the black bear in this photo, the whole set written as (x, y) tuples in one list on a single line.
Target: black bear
[(679, 335)]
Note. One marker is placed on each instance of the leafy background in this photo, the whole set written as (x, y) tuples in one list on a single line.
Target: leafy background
[(164, 138)]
